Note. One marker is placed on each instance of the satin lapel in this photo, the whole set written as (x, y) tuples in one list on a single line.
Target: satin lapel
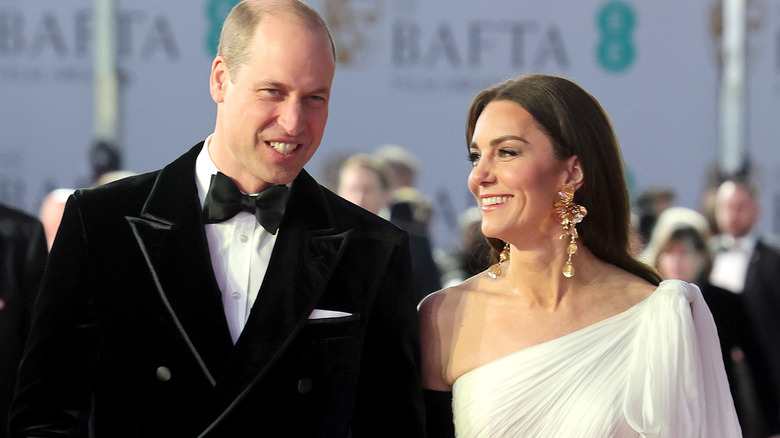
[(171, 236), (306, 252)]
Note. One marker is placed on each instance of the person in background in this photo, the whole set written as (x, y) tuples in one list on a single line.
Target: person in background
[(229, 294), (50, 214), (104, 157), (471, 256), (23, 254), (411, 211), (363, 180), (53, 204), (649, 205), (331, 168), (748, 263), (678, 248), (567, 334), (111, 176), (408, 206)]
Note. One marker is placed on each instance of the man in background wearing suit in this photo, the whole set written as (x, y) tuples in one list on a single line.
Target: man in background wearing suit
[(22, 259), (411, 211), (184, 318), (748, 265)]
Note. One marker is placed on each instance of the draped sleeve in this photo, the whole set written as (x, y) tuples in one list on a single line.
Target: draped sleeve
[(677, 385)]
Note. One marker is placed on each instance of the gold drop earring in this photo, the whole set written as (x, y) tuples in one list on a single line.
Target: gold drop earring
[(569, 215), (495, 270)]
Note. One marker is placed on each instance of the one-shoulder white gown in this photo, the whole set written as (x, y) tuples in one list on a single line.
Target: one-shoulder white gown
[(654, 370)]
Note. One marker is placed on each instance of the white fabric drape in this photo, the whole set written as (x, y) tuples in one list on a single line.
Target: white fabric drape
[(654, 370)]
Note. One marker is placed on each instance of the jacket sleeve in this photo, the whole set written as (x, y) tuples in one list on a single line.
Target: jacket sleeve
[(52, 397), (34, 263), (759, 369), (389, 392), (438, 414)]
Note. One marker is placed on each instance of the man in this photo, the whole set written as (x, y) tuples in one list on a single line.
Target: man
[(748, 265), (411, 211), (22, 258), (184, 321), (363, 181)]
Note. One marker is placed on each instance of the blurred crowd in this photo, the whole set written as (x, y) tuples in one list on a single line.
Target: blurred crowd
[(719, 248)]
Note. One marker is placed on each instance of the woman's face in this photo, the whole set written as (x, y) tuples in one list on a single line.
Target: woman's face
[(515, 175), (678, 260)]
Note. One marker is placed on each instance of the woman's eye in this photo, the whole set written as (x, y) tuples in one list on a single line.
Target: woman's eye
[(507, 153), (473, 157)]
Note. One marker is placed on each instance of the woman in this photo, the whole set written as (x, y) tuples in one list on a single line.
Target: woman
[(567, 335), (678, 248)]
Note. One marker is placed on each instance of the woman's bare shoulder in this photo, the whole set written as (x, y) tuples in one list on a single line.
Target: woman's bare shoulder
[(440, 316), (448, 300), (614, 289), (631, 287)]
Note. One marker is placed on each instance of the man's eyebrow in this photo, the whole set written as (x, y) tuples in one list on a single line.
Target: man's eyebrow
[(274, 84)]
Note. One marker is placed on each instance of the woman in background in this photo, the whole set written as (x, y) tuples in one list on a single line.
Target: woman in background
[(678, 248)]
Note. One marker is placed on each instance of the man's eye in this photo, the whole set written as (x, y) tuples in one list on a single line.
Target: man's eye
[(317, 101)]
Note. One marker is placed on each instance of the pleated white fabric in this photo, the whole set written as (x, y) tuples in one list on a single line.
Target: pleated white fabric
[(654, 370)]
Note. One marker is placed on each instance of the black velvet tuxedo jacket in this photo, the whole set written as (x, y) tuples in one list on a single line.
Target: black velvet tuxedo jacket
[(22, 258), (762, 299), (130, 311), (735, 330)]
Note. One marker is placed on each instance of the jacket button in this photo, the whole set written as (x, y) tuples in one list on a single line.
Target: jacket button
[(304, 385), (163, 374)]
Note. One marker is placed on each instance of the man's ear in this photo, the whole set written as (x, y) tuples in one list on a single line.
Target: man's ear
[(220, 76)]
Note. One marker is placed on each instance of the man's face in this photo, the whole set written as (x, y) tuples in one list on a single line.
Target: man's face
[(361, 186), (736, 211), (272, 112)]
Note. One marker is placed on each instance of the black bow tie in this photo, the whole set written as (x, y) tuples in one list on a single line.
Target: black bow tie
[(224, 200)]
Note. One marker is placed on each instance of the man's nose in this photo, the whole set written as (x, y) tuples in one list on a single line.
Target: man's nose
[(291, 117)]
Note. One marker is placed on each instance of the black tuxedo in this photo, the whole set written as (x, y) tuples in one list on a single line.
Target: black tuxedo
[(735, 330), (22, 258), (130, 310), (762, 299)]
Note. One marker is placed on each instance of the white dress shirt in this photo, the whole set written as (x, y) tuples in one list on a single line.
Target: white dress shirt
[(729, 269), (240, 250)]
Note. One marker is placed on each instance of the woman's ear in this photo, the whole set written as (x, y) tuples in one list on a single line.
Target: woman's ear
[(574, 174)]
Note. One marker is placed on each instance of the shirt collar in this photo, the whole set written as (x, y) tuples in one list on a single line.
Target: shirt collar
[(745, 243), (204, 169)]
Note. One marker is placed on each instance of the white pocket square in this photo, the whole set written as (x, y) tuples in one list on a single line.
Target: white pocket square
[(322, 314)]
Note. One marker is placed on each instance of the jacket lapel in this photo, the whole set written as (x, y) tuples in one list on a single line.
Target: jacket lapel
[(753, 269), (170, 233), (306, 252)]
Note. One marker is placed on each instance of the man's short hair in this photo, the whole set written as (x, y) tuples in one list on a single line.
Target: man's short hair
[(241, 24)]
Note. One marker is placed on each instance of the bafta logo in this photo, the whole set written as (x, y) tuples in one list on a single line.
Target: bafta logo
[(353, 24)]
